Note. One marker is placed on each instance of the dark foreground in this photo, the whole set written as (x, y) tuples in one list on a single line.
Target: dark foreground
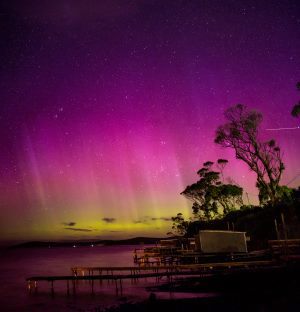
[(268, 290), (265, 302)]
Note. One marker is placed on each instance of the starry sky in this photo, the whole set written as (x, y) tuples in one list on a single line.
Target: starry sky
[(108, 108)]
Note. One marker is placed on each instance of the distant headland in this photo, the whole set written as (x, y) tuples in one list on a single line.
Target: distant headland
[(85, 243)]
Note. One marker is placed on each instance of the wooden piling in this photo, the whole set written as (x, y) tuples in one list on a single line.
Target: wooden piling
[(52, 288)]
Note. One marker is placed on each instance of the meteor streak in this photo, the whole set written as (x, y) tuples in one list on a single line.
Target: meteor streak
[(279, 129)]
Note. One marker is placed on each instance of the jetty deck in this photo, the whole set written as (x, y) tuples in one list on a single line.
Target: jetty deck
[(170, 268), (118, 274), (282, 253)]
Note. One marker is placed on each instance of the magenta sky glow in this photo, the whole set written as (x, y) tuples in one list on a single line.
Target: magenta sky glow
[(108, 108)]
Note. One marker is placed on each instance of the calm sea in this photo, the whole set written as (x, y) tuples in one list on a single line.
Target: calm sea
[(18, 264)]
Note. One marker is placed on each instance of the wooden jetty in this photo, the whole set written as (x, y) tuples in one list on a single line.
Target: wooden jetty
[(281, 253), (117, 274), (134, 270)]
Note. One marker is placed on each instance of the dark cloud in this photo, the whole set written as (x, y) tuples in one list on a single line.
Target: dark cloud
[(162, 219), (77, 229), (69, 223), (147, 220), (109, 220), (144, 220), (139, 221)]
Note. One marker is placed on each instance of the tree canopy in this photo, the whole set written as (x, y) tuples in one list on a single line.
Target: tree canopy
[(211, 198), (240, 132), (180, 225)]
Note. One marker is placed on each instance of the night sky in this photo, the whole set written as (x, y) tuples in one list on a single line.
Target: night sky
[(108, 108)]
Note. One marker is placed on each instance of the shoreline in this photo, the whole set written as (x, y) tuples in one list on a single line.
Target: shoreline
[(86, 243), (267, 301), (274, 290)]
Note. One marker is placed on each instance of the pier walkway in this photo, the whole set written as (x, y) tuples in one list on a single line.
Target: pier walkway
[(133, 270), (117, 274)]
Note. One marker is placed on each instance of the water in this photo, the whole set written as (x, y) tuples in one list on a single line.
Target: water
[(18, 264)]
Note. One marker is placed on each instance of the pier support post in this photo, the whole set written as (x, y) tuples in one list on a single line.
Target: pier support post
[(52, 288), (73, 287), (92, 285), (117, 290), (35, 287), (29, 286), (121, 286)]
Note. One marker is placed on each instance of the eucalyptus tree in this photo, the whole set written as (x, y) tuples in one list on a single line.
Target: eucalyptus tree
[(180, 225), (211, 198), (240, 132)]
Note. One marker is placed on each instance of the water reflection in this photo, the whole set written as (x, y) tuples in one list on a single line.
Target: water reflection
[(18, 264)]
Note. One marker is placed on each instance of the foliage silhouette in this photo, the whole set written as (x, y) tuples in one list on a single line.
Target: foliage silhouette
[(180, 225), (263, 158), (211, 198)]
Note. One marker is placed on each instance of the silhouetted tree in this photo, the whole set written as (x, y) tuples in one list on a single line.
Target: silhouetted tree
[(230, 197), (180, 225), (263, 158), (221, 163), (296, 108), (211, 198)]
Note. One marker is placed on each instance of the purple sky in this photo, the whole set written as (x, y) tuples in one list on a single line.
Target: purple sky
[(108, 108)]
